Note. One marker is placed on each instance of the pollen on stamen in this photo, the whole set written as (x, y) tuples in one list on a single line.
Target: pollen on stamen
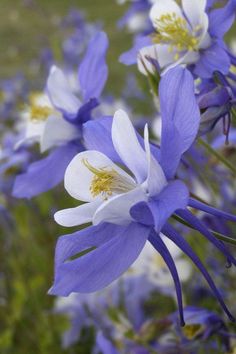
[(175, 31), (107, 181), (38, 112)]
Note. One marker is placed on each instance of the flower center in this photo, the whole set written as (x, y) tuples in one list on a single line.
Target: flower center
[(175, 31), (38, 112), (192, 330), (107, 181)]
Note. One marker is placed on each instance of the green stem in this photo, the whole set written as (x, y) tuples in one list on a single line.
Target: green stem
[(233, 112), (219, 157), (216, 234)]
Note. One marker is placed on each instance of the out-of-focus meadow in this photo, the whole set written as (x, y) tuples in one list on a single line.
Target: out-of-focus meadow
[(28, 26), (28, 324)]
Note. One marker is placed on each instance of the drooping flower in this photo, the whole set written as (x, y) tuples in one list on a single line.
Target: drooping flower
[(216, 101), (189, 34), (130, 191), (55, 119)]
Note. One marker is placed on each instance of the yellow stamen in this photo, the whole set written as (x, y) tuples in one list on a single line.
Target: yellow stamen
[(38, 112), (191, 331), (107, 181), (174, 30)]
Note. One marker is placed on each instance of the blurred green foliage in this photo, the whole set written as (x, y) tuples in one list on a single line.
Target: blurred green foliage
[(27, 322), (27, 26)]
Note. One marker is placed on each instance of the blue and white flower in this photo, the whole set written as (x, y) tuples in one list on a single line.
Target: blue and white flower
[(55, 119), (129, 192), (188, 34)]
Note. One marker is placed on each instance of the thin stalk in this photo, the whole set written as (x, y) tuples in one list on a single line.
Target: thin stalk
[(218, 235), (219, 157)]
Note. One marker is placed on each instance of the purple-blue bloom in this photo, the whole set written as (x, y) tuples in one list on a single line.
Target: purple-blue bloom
[(65, 114), (190, 34), (131, 205)]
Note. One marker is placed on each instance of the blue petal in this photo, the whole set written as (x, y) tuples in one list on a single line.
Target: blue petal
[(142, 213), (93, 70), (130, 57), (160, 246), (173, 235), (198, 225), (116, 248), (180, 117), (83, 114), (215, 58), (174, 196), (157, 211), (104, 344), (220, 20), (219, 96), (97, 136), (210, 210), (44, 174)]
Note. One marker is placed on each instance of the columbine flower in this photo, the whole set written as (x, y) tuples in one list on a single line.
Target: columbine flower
[(55, 119), (216, 102), (189, 34), (44, 124), (130, 191)]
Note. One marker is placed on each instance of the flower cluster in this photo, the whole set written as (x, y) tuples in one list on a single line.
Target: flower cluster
[(149, 190)]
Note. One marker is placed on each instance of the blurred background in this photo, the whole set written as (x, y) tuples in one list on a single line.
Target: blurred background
[(27, 322), (28, 28)]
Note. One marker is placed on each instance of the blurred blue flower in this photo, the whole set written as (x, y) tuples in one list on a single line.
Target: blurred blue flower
[(55, 119)]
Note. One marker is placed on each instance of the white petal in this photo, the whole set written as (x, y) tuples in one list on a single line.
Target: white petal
[(162, 7), (144, 64), (194, 11), (78, 177), (33, 133), (116, 210), (166, 58), (187, 58), (76, 216), (60, 92), (156, 179), (205, 40), (57, 131), (34, 129), (127, 145)]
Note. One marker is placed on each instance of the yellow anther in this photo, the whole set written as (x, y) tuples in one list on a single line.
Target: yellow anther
[(107, 181), (176, 57), (38, 112), (192, 330), (175, 31)]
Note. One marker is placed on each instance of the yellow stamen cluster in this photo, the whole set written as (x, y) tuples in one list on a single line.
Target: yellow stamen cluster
[(174, 30), (106, 181), (191, 331), (38, 112)]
